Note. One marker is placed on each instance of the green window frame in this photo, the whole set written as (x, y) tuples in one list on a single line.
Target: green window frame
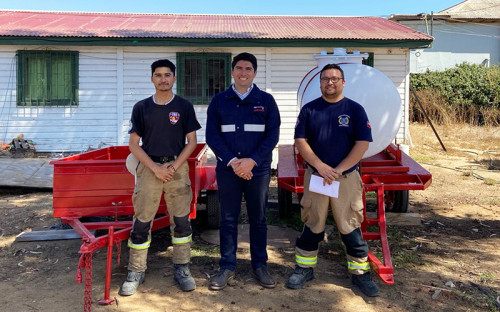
[(200, 76), (47, 78)]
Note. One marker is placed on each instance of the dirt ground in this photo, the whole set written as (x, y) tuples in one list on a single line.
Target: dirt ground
[(448, 263)]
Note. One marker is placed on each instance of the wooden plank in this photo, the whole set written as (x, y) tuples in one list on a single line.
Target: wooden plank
[(395, 218), (48, 235)]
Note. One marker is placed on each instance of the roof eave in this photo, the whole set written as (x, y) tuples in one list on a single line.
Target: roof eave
[(214, 42), (444, 17), (416, 17)]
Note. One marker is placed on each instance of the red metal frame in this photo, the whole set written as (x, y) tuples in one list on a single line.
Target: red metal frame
[(97, 183), (389, 170), (291, 169)]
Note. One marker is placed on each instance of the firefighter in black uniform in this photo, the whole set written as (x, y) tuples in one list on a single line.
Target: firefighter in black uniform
[(163, 121)]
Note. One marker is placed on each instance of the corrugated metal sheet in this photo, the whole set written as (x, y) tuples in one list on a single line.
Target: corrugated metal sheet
[(469, 10), (131, 25), (474, 9)]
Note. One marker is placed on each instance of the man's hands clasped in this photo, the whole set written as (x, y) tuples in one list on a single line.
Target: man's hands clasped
[(328, 173), (243, 167), (165, 172)]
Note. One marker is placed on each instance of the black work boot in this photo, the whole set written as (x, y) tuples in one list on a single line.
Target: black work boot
[(220, 280), (299, 277), (129, 287), (183, 277), (264, 278), (365, 283)]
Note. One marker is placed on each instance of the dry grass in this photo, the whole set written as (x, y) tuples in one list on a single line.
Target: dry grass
[(443, 113), (432, 103), (458, 136), (480, 145)]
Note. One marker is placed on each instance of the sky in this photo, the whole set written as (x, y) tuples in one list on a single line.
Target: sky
[(255, 7)]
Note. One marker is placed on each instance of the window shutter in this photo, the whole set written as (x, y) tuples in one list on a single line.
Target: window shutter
[(200, 76), (47, 78)]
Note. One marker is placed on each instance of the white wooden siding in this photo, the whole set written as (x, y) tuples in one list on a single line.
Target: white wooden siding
[(113, 79), (289, 66), (89, 124)]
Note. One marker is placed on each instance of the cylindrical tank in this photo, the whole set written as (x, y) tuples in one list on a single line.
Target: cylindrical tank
[(369, 87)]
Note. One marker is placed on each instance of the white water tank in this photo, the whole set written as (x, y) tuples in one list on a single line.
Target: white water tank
[(366, 85)]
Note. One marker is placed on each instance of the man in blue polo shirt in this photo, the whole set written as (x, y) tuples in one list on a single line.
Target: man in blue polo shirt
[(332, 134), (242, 130)]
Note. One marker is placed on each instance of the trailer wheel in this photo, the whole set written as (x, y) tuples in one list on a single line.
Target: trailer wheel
[(284, 203), (213, 209), (397, 201)]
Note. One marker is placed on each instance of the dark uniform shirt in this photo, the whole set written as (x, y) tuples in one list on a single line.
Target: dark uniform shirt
[(247, 128), (163, 128), (331, 129)]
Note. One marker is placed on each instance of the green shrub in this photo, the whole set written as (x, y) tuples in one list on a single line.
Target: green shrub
[(466, 93)]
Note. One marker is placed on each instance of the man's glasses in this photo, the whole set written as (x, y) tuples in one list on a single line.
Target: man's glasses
[(332, 79)]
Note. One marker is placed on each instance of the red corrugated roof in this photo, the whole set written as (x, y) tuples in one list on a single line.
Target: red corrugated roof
[(132, 25)]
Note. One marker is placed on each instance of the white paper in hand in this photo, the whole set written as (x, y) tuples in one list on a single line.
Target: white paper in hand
[(316, 185)]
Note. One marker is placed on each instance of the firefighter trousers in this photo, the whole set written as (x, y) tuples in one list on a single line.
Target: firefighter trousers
[(146, 199), (347, 211)]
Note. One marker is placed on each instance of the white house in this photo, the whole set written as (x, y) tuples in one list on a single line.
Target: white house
[(466, 32), (69, 80)]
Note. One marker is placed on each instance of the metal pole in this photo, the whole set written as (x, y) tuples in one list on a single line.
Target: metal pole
[(109, 260)]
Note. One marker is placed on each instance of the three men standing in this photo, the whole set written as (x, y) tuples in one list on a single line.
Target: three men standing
[(332, 134)]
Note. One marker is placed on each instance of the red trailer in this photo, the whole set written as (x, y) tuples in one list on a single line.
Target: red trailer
[(97, 184), (390, 174)]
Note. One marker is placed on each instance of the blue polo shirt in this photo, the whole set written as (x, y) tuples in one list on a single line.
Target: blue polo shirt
[(331, 129)]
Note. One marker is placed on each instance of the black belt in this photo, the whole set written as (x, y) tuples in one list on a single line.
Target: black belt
[(162, 159)]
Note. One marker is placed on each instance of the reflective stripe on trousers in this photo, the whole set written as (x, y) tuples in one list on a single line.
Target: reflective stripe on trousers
[(139, 246), (308, 261), (365, 266), (181, 240)]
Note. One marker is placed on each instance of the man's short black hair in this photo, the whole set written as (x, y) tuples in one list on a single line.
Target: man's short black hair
[(332, 66), (162, 63), (245, 56)]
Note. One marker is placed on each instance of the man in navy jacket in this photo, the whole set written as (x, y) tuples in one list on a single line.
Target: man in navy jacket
[(242, 130)]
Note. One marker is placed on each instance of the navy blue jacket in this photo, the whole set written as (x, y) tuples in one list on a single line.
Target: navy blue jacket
[(247, 128)]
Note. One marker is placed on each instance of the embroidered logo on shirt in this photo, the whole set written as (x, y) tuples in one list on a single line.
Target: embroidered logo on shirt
[(344, 120), (368, 125), (258, 108), (174, 117)]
